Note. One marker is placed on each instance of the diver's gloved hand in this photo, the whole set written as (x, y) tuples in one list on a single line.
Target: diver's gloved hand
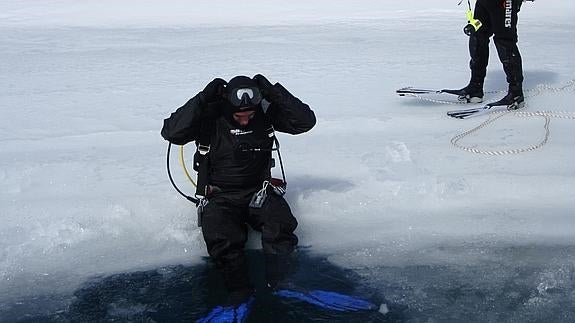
[(213, 97), (231, 314), (329, 300), (266, 88), (214, 91)]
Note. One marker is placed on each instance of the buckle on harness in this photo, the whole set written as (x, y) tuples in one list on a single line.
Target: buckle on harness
[(201, 206), (278, 187), (203, 149)]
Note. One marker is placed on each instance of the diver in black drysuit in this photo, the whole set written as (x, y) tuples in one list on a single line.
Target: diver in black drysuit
[(240, 161)]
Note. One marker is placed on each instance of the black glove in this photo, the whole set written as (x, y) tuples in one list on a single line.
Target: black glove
[(214, 91), (213, 97), (267, 89)]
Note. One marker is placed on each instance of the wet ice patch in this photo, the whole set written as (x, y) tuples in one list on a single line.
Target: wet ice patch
[(479, 279)]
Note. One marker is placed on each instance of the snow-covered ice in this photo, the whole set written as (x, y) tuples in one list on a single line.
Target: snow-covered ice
[(85, 87)]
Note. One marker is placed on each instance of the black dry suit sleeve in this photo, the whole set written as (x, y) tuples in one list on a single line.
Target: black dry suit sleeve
[(183, 125), (288, 114)]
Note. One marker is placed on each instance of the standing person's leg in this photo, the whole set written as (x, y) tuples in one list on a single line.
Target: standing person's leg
[(504, 17), (225, 233), (277, 225), (479, 57), (479, 46)]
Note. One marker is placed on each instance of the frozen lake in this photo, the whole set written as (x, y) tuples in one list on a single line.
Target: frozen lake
[(92, 231)]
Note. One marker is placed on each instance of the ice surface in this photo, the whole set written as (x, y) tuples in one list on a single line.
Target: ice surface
[(86, 85)]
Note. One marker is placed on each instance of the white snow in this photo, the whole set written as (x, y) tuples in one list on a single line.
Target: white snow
[(86, 85)]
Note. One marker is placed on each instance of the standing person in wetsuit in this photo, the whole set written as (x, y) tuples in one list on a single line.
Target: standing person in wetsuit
[(498, 19)]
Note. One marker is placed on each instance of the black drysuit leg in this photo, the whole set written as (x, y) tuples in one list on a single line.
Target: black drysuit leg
[(277, 224), (479, 46), (225, 232), (499, 18), (224, 226), (505, 31)]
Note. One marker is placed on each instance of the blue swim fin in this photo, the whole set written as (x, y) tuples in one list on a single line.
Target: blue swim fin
[(329, 300), (229, 314)]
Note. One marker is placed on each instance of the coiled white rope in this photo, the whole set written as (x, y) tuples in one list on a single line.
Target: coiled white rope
[(455, 140), (547, 115), (538, 90), (497, 115)]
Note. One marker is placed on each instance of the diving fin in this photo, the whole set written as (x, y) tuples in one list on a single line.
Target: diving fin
[(229, 314), (329, 300)]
